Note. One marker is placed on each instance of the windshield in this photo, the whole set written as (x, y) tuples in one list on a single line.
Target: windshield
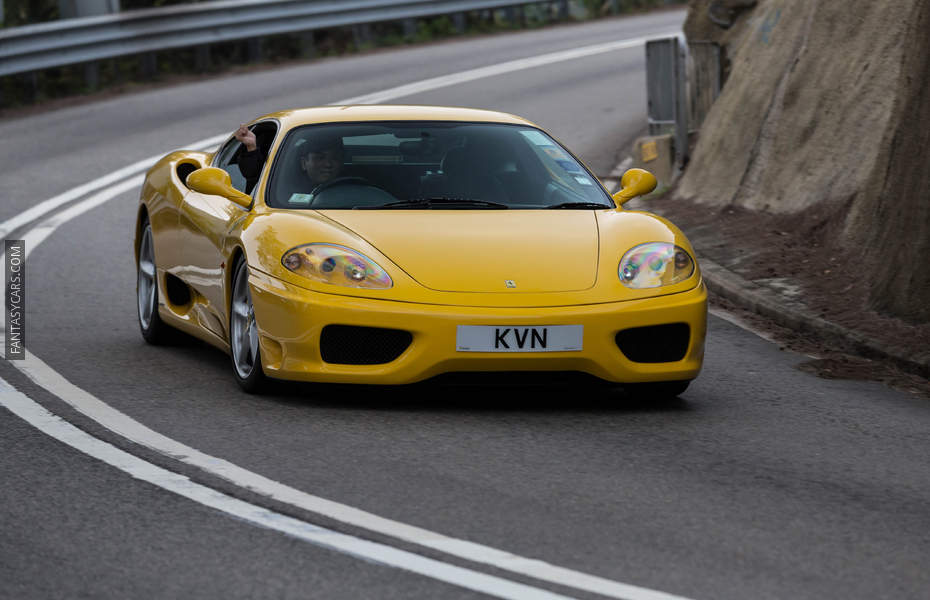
[(421, 165)]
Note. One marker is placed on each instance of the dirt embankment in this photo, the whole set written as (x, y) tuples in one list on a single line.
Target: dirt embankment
[(825, 121)]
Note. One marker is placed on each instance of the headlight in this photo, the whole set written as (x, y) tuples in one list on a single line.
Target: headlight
[(338, 265), (655, 264)]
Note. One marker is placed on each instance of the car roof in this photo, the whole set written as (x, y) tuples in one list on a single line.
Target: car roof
[(376, 112)]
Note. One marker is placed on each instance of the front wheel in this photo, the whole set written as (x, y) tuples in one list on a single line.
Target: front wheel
[(243, 333), (153, 329), (660, 390)]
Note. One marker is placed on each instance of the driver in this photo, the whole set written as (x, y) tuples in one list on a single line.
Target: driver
[(321, 158)]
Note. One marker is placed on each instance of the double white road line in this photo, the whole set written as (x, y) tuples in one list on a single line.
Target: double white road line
[(130, 177)]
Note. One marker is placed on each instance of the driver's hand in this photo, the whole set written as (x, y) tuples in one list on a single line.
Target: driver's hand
[(246, 137)]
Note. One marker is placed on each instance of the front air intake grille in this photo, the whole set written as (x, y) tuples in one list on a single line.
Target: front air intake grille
[(655, 344), (350, 345)]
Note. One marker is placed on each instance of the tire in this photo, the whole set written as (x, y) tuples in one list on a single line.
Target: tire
[(660, 390), (243, 333), (153, 329)]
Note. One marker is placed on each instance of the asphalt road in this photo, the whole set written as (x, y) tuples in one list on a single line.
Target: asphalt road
[(760, 482)]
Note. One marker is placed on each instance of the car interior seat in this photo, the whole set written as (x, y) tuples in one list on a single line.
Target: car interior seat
[(466, 173)]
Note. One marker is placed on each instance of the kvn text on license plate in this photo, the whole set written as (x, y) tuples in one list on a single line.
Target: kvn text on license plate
[(514, 338)]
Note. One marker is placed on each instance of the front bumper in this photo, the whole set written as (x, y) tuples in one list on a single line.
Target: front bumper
[(290, 320)]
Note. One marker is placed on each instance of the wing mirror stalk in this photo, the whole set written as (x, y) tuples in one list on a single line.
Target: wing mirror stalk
[(635, 182), (216, 182)]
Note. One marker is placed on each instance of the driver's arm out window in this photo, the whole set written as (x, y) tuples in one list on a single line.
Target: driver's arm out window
[(244, 167), (226, 160)]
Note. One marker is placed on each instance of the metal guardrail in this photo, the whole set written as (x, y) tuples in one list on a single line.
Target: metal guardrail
[(682, 82), (88, 39), (667, 91)]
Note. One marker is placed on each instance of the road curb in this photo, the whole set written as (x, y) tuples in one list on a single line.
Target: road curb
[(796, 316)]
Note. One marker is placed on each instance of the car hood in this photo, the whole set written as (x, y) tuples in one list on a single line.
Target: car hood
[(484, 250)]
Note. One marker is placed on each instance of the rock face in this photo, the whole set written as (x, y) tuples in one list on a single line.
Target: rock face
[(826, 112)]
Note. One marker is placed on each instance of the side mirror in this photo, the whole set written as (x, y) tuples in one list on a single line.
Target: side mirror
[(216, 182), (635, 182)]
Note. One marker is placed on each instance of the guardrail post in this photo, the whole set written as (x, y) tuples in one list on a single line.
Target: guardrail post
[(667, 92), (682, 140), (202, 58), (361, 35), (410, 29), (307, 45), (92, 75), (148, 65), (510, 15), (31, 83), (254, 50), (541, 11), (118, 75), (458, 22)]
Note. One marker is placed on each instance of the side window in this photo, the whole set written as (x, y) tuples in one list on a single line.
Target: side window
[(226, 160)]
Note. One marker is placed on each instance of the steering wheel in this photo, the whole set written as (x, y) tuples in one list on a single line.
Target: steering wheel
[(340, 181), (553, 190)]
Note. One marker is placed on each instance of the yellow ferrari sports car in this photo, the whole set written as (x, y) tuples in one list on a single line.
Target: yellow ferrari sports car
[(392, 244)]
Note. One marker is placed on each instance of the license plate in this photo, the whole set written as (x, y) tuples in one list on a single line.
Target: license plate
[(545, 338)]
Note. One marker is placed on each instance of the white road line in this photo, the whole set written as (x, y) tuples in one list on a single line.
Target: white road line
[(127, 427), (741, 323), (52, 425), (134, 431), (733, 319), (37, 211), (35, 236), (118, 185)]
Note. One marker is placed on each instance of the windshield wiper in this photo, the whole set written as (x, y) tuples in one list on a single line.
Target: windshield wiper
[(437, 202), (579, 205)]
